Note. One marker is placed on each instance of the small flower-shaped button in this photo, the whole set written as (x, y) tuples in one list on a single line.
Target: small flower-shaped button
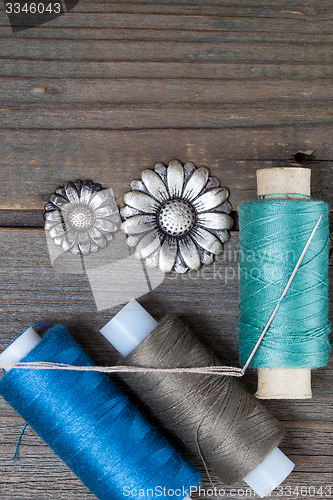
[(81, 217), (177, 217)]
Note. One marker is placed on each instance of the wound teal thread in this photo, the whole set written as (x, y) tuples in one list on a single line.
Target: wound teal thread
[(272, 236), (264, 196)]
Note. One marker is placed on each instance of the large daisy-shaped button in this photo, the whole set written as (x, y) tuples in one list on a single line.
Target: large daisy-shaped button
[(177, 217)]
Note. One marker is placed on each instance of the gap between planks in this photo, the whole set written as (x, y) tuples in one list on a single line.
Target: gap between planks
[(29, 219)]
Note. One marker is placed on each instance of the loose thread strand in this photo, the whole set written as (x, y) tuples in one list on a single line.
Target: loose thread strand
[(207, 370), (19, 442)]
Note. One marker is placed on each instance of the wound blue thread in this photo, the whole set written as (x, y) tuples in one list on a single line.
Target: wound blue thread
[(272, 236), (4, 371), (92, 426)]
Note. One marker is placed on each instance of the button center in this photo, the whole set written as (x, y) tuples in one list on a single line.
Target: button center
[(176, 217)]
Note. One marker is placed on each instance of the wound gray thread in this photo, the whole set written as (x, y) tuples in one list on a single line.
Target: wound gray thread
[(215, 417)]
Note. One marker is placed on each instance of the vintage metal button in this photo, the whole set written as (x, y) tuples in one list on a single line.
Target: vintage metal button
[(81, 217), (177, 217)]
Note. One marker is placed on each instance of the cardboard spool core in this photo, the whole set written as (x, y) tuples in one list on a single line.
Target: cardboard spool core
[(284, 383)]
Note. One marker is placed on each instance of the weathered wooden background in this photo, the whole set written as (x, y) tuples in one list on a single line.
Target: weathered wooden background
[(108, 90)]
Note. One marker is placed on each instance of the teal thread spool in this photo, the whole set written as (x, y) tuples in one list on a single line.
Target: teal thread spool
[(273, 230)]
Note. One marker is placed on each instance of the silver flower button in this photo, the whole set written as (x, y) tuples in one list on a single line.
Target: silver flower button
[(81, 217), (177, 217)]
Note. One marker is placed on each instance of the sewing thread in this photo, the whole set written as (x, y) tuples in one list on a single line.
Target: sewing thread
[(92, 426), (272, 235), (215, 417)]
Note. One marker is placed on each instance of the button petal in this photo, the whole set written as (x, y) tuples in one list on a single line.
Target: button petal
[(211, 199), (190, 253), (196, 183), (155, 185), (140, 201), (207, 240), (175, 178)]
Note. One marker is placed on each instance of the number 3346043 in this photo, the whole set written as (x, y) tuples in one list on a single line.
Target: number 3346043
[(33, 8)]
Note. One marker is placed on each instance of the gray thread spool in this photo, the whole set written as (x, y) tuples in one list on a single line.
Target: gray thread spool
[(215, 417)]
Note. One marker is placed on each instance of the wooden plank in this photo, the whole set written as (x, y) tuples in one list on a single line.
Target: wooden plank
[(264, 41), (195, 16), (161, 117), (34, 292), (309, 6), (115, 50), (21, 218), (46, 159), (165, 92), (213, 21), (95, 32), (120, 69), (276, 112), (299, 10), (34, 218)]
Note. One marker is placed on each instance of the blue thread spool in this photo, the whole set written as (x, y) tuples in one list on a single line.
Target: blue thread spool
[(89, 423)]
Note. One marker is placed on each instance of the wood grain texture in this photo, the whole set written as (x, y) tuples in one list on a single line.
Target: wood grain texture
[(110, 89), (34, 292), (46, 159), (21, 218), (115, 87)]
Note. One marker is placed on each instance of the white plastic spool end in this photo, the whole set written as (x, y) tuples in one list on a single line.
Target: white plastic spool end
[(20, 347), (270, 473), (127, 329)]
